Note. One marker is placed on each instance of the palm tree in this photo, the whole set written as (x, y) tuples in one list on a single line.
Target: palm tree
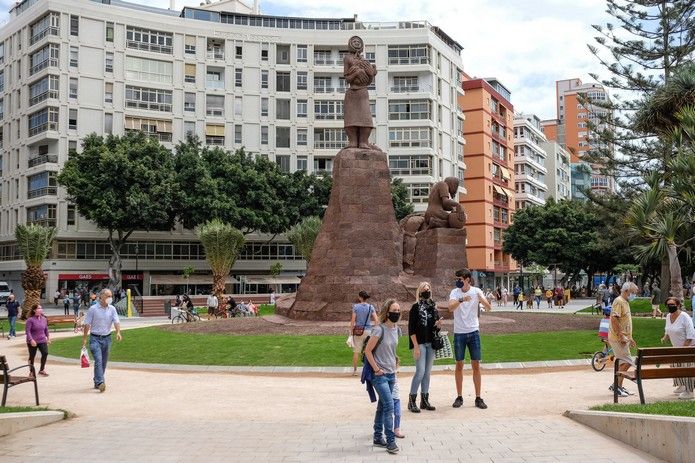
[(222, 243), (303, 235), (34, 243)]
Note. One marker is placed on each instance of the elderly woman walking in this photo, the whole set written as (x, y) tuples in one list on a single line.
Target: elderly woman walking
[(423, 324), (680, 331)]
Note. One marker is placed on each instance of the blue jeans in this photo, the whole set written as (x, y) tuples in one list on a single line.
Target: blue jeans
[(470, 341), (396, 413), (13, 322), (99, 346), (423, 368), (383, 419), (538, 302)]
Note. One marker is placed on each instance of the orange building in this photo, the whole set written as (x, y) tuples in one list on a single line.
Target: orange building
[(489, 201)]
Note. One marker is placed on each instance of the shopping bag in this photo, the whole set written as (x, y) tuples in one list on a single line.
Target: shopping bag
[(350, 342), (445, 352), (84, 358)]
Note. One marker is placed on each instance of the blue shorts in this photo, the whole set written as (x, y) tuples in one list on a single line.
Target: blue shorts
[(470, 341)]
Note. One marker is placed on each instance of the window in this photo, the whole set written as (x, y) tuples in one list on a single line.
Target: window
[(71, 215), (330, 138), (214, 134), (189, 102), (2, 115), (48, 25), (400, 110), (189, 129), (238, 52), (43, 58), (215, 49), (418, 192), (302, 81), (282, 81), (149, 40), (302, 108), (407, 137), (72, 119), (408, 54), (74, 56), (302, 135), (72, 93), (108, 123), (42, 215), (322, 84), (264, 107), (282, 109), (74, 25), (264, 135), (41, 121), (108, 62), (2, 81), (189, 73), (323, 165), (238, 77), (108, 92), (109, 32), (72, 146), (264, 79), (214, 105), (283, 162), (148, 70), (301, 53), (323, 57), (420, 164), (238, 106), (328, 109), (156, 128), (152, 99), (264, 52), (237, 134), (214, 78), (402, 84), (189, 45), (43, 89)]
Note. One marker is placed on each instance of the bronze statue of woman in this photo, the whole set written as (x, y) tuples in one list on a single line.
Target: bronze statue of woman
[(359, 73)]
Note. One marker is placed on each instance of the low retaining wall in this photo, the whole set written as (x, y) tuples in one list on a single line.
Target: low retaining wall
[(15, 422), (671, 438)]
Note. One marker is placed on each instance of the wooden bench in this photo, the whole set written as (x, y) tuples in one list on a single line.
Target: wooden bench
[(53, 320), (654, 363), (9, 380)]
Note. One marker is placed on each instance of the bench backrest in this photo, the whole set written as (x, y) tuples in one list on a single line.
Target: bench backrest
[(666, 355), (3, 364)]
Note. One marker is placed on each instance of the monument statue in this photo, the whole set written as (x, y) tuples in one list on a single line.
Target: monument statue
[(443, 209), (359, 73)]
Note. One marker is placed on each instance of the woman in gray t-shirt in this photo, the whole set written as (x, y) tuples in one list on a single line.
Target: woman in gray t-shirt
[(382, 359)]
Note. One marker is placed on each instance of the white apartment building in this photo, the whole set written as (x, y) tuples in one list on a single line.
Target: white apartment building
[(529, 161), (559, 177), (272, 85)]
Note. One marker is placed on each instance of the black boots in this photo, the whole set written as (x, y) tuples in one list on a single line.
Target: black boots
[(425, 402), (412, 406)]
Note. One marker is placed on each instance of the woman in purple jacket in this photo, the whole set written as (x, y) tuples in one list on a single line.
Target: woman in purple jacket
[(37, 337)]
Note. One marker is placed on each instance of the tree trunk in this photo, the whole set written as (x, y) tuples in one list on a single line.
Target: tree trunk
[(589, 283), (218, 281), (31, 297), (665, 277), (115, 262), (676, 289)]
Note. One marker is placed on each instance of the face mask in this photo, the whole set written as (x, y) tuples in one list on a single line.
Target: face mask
[(394, 316), (672, 308), (109, 300), (459, 284), (425, 295), (631, 297)]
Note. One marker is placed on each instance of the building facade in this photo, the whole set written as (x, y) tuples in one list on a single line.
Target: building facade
[(489, 201), (559, 177), (529, 162), (273, 85)]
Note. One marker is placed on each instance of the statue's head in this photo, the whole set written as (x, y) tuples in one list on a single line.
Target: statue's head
[(355, 44), (453, 184)]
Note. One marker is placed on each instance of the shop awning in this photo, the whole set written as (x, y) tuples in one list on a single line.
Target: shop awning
[(268, 280), (96, 276)]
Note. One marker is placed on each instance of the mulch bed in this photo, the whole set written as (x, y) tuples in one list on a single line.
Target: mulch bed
[(494, 323)]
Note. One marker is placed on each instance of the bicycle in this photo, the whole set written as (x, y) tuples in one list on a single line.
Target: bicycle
[(600, 358), (190, 316)]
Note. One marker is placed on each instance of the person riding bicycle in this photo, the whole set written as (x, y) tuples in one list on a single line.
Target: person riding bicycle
[(604, 327)]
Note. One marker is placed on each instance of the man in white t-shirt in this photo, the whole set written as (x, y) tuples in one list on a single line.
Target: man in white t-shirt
[(464, 302)]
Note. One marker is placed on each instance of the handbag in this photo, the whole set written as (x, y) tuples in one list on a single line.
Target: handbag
[(437, 341), (359, 330), (445, 352), (84, 358)]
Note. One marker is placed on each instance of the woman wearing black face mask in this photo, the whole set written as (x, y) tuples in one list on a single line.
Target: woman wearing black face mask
[(679, 329), (423, 323)]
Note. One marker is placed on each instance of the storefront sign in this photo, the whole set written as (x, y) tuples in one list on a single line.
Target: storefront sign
[(97, 276)]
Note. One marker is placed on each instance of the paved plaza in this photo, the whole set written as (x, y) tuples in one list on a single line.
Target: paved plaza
[(175, 416)]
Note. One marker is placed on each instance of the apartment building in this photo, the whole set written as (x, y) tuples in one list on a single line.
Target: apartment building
[(230, 76), (529, 162), (489, 201), (559, 176)]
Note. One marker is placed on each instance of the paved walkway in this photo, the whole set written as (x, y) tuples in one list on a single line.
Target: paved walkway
[(176, 416)]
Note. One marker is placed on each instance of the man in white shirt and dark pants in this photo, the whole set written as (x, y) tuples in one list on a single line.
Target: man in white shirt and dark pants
[(463, 302), (213, 303)]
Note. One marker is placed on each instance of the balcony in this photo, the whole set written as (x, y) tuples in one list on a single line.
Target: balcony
[(44, 33), (44, 96), (43, 159), (498, 244), (214, 140), (215, 55), (214, 84), (45, 191), (44, 222), (410, 60), (500, 202), (214, 111), (501, 266), (324, 89), (52, 62), (148, 46), (46, 126), (405, 88), (326, 61)]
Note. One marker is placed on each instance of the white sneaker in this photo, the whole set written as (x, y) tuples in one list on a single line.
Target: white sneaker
[(621, 391), (625, 390), (679, 389), (687, 395)]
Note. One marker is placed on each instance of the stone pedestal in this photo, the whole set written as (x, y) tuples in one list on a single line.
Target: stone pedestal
[(359, 246), (439, 252)]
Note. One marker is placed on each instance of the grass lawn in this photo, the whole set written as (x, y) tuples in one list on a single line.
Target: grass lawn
[(675, 408), (153, 345), (641, 305)]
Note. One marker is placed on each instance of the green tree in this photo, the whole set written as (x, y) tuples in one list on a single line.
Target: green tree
[(122, 184), (303, 235), (34, 243), (222, 243), (401, 199), (186, 273)]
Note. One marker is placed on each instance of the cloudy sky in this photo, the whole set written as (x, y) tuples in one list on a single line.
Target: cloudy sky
[(527, 44)]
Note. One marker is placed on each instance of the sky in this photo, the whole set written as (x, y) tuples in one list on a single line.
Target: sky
[(526, 44)]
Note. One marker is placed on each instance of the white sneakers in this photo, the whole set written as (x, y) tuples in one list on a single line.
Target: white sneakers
[(687, 395), (679, 389)]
